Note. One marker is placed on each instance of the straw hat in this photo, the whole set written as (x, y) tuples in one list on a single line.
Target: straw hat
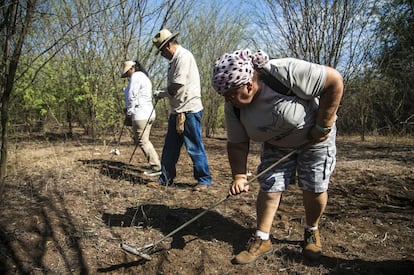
[(127, 65), (162, 37)]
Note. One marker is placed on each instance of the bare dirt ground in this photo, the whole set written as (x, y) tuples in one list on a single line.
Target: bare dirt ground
[(68, 205)]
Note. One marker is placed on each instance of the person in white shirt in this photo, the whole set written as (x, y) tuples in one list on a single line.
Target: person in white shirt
[(139, 107)]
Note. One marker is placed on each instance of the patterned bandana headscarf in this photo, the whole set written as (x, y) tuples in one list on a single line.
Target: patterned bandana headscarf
[(233, 70)]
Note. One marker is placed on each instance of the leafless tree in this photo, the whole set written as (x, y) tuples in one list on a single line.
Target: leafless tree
[(334, 33)]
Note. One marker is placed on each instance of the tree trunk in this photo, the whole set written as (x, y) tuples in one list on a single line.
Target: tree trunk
[(12, 47)]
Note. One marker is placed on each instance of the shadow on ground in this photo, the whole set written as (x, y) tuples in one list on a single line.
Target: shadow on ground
[(210, 226), (116, 170)]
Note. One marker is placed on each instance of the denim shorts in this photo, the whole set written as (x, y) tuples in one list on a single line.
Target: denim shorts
[(311, 166)]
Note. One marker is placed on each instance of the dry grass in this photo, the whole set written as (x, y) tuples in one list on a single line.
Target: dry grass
[(69, 204)]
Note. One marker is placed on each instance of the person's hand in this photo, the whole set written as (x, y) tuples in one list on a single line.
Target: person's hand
[(316, 136), (239, 185), (158, 94)]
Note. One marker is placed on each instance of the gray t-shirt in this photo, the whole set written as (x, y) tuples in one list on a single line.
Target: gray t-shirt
[(183, 70), (276, 118)]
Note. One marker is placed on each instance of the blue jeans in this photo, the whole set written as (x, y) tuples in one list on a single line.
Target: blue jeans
[(192, 139)]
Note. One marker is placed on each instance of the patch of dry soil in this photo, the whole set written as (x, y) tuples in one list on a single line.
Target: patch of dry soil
[(68, 205)]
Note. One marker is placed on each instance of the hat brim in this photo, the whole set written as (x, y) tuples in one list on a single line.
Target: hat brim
[(166, 41), (126, 69)]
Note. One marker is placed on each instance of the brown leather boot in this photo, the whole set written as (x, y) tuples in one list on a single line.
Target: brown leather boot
[(257, 247), (312, 248)]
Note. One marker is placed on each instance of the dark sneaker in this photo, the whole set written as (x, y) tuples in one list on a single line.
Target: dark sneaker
[(200, 188), (256, 248), (312, 247), (152, 173)]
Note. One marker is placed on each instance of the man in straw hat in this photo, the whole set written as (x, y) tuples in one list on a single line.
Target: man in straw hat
[(186, 110)]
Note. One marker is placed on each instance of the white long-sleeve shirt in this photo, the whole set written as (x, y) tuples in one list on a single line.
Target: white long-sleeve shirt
[(138, 96)]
